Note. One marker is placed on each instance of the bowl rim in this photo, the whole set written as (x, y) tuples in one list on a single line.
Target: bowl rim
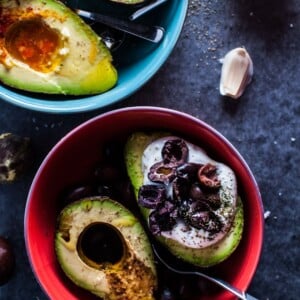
[(88, 103), (153, 109)]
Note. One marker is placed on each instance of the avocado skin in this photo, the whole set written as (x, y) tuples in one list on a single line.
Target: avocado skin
[(133, 152), (133, 277), (204, 257), (87, 68)]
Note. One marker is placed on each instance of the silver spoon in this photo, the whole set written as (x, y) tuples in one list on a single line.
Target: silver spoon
[(140, 12), (240, 294)]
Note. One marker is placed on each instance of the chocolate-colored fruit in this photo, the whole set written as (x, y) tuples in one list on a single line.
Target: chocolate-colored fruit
[(7, 261)]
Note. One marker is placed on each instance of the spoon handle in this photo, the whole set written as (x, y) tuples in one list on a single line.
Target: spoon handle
[(150, 33), (227, 286), (241, 295), (140, 12)]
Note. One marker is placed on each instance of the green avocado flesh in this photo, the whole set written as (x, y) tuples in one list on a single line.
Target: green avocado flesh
[(103, 248), (47, 48), (204, 256)]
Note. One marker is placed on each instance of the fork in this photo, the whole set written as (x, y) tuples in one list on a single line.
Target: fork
[(240, 294)]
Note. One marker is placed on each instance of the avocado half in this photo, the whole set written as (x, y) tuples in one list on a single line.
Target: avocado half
[(45, 47), (102, 247), (205, 256)]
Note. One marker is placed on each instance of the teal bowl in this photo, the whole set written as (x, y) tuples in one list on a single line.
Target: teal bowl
[(134, 69)]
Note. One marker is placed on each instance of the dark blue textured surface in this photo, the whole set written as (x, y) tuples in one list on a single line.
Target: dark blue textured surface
[(264, 125)]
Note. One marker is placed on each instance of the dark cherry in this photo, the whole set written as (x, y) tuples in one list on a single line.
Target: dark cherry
[(208, 176), (162, 173), (124, 191), (196, 192), (105, 191), (79, 192), (151, 195), (108, 173), (163, 218), (188, 171), (113, 152), (206, 220), (7, 261), (175, 151), (181, 189)]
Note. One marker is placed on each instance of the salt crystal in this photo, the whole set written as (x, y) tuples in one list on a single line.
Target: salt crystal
[(267, 214)]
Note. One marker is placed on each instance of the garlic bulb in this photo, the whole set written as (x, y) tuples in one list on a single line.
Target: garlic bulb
[(236, 74)]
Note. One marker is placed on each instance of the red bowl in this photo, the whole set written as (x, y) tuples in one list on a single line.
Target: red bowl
[(78, 152)]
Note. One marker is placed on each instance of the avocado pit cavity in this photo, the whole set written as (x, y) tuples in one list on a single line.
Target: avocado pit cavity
[(33, 42), (100, 243)]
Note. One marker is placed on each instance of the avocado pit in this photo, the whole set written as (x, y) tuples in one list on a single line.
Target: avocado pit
[(100, 243)]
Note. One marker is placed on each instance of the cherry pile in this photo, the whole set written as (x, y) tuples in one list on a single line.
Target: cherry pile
[(194, 191)]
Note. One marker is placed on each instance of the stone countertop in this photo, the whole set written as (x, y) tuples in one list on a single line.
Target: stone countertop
[(264, 125)]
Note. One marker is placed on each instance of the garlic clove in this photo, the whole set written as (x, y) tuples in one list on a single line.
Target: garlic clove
[(236, 74)]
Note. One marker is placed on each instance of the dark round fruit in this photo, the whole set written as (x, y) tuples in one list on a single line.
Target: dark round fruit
[(151, 195), (80, 192), (108, 173), (175, 151), (7, 260)]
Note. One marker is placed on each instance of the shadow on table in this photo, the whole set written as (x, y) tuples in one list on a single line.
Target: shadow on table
[(269, 19)]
